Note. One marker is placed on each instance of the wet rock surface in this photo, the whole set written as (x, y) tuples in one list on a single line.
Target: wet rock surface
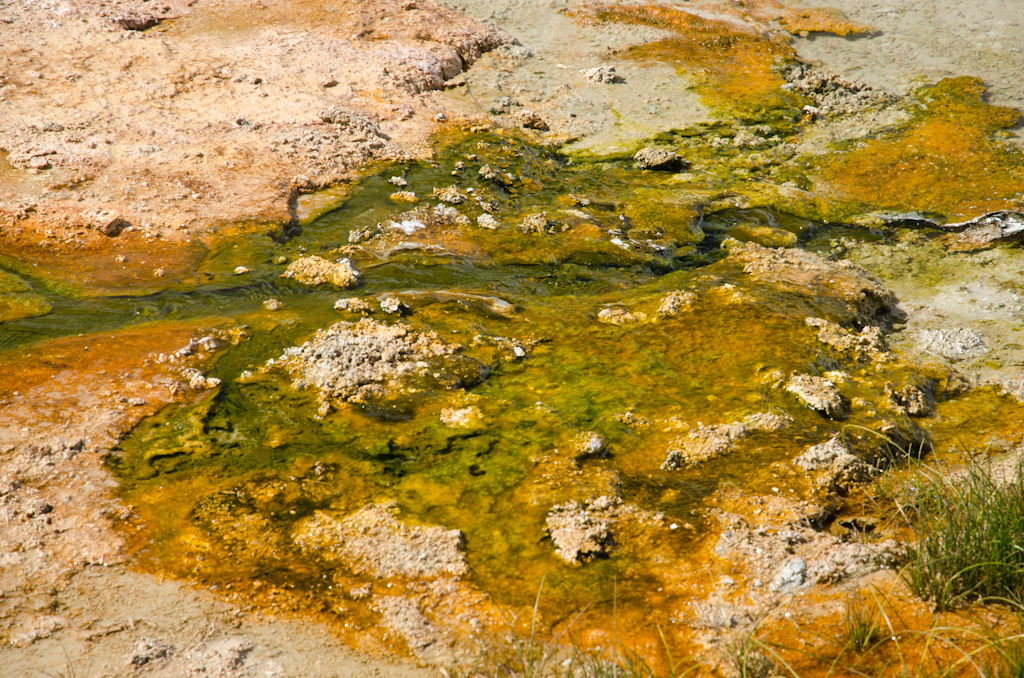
[(865, 293), (817, 393), (584, 531), (709, 442)]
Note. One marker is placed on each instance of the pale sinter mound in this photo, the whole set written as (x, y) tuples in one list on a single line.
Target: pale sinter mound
[(317, 271), (356, 362)]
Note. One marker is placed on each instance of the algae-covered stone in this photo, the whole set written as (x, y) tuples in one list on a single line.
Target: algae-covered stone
[(488, 222), (658, 159), (676, 303), (824, 454), (316, 270), (590, 445), (833, 465), (358, 362), (353, 305), (864, 293), (450, 194), (17, 300), (764, 235), (404, 196), (536, 223), (619, 316), (910, 400), (465, 417), (865, 346), (817, 393), (710, 442)]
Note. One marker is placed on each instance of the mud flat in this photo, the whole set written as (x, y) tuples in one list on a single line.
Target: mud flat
[(668, 297)]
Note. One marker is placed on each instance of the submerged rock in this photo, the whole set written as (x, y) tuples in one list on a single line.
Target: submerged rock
[(709, 442), (676, 302), (467, 416), (619, 316), (536, 223), (817, 393), (316, 270), (356, 362), (762, 235), (863, 293), (658, 159), (865, 346)]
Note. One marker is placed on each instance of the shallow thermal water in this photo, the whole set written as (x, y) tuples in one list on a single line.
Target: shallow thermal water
[(221, 487), (262, 443)]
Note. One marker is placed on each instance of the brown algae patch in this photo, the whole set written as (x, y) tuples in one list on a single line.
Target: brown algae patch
[(948, 162)]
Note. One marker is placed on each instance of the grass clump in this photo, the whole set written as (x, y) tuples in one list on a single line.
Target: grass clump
[(862, 626), (970, 538)]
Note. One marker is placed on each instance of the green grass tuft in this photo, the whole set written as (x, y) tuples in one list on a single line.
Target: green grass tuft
[(970, 538)]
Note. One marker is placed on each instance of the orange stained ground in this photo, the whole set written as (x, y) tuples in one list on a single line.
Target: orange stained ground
[(947, 162), (735, 66)]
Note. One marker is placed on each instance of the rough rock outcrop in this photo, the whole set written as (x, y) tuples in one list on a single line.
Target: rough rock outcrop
[(709, 442), (375, 542), (318, 271), (357, 362), (658, 159), (817, 393)]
